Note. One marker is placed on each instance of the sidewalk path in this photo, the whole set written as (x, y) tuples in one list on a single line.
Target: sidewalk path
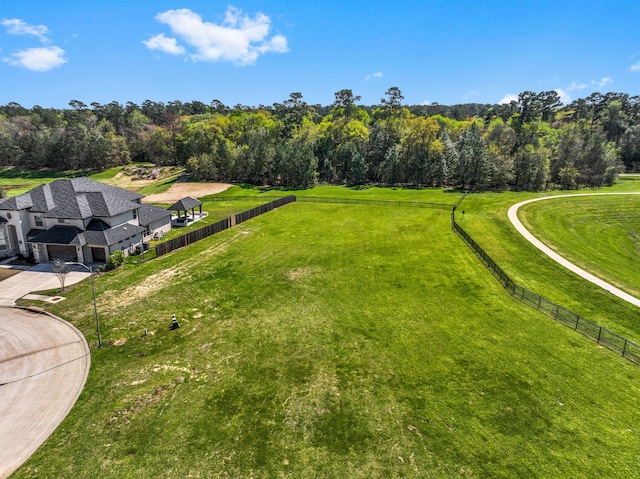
[(39, 278), (513, 217)]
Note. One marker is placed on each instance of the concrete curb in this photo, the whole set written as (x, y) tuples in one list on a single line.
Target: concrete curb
[(56, 416)]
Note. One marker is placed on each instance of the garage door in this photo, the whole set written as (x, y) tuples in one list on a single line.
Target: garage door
[(99, 255), (66, 253)]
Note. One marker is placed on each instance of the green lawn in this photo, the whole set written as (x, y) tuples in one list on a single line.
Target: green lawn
[(486, 221), (569, 226), (341, 341), (16, 181)]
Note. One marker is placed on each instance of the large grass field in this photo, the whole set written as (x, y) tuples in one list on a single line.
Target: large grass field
[(486, 220), (346, 341), (601, 234), (15, 181)]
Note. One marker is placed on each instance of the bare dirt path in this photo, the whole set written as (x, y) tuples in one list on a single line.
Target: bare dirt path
[(44, 364), (513, 217), (180, 190)]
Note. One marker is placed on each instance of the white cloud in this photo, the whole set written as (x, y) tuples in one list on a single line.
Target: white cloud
[(508, 98), (576, 86), (39, 59), (373, 75), (565, 98), (239, 38), (164, 44), (635, 67), (15, 26), (602, 83)]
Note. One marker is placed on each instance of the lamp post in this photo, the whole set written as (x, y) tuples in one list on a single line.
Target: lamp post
[(93, 290)]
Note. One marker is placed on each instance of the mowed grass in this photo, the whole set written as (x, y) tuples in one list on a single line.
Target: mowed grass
[(336, 341), (601, 234), (16, 181), (487, 222)]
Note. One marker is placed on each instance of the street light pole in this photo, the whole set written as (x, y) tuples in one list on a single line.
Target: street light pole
[(93, 290)]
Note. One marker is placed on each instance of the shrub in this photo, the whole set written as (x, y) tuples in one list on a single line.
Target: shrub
[(114, 260)]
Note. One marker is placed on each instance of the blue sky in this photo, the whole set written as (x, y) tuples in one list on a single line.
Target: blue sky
[(257, 52)]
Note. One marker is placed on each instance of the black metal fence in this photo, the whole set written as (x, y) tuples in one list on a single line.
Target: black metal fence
[(199, 234), (625, 347)]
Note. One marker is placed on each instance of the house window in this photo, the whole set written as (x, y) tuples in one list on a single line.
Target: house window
[(9, 215), (38, 220), (3, 239), (62, 220), (135, 214)]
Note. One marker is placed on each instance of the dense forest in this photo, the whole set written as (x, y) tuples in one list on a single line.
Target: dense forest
[(533, 143)]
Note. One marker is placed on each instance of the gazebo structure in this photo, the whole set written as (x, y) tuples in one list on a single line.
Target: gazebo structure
[(187, 205)]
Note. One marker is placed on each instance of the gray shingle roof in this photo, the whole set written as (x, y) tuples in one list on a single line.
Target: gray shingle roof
[(147, 214), (185, 204), (16, 203), (70, 235), (98, 235), (78, 198), (111, 236)]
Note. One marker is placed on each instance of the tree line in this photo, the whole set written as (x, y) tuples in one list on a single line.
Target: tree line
[(532, 143)]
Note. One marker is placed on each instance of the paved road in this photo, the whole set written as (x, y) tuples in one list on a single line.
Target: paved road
[(513, 217), (44, 363), (39, 278)]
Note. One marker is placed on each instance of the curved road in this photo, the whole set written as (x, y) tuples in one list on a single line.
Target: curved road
[(513, 217), (44, 364)]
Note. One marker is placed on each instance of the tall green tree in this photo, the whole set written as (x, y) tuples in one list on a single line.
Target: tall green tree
[(473, 170), (344, 103)]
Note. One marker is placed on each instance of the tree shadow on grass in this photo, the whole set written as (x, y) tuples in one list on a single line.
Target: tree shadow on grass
[(16, 173)]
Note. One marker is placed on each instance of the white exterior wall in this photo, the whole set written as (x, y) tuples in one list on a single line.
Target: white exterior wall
[(32, 220), (9, 250), (125, 244), (126, 217), (51, 222), (159, 226), (22, 223)]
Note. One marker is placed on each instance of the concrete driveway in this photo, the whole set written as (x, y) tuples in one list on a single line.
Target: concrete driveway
[(40, 277), (44, 363)]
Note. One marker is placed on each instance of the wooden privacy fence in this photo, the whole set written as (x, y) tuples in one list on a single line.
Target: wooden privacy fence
[(199, 234), (625, 347)]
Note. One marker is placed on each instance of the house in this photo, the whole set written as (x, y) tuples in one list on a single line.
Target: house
[(77, 220)]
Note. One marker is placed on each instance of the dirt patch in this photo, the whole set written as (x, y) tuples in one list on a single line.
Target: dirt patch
[(298, 273), (138, 404), (135, 177), (113, 301), (181, 189)]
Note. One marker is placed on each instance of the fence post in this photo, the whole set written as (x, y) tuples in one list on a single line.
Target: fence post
[(624, 349), (577, 322), (599, 334), (539, 301)]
